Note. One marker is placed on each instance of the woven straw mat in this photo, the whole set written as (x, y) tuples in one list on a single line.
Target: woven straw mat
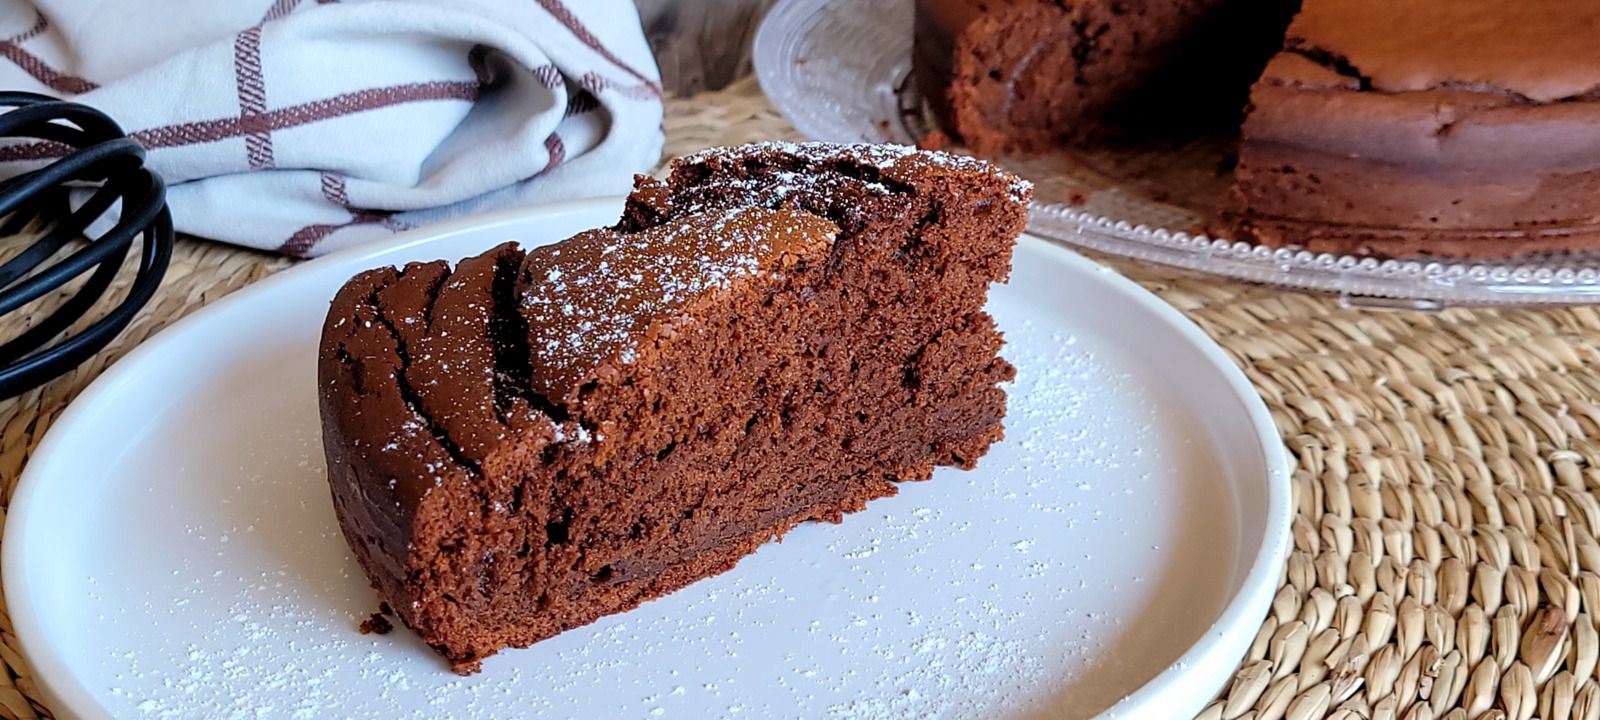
[(1445, 560)]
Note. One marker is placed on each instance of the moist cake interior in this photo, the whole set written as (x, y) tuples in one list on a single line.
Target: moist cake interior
[(779, 333)]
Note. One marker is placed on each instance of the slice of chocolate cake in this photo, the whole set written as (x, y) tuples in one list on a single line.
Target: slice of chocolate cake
[(777, 333)]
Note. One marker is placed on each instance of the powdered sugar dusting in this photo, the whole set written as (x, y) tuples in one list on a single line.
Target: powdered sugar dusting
[(884, 156), (589, 299)]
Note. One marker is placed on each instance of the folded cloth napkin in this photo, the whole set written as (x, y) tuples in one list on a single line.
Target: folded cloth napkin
[(305, 126)]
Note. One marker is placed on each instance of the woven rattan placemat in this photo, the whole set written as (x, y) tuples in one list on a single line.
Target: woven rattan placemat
[(1445, 560)]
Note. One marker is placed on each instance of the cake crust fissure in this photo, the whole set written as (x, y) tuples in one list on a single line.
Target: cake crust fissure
[(775, 334)]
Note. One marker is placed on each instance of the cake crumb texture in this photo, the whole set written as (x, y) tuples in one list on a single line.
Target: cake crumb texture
[(776, 333)]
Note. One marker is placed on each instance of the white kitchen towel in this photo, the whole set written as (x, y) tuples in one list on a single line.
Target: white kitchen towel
[(305, 126)]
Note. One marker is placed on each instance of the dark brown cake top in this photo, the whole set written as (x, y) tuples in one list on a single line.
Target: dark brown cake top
[(590, 299), (820, 166), (1538, 50)]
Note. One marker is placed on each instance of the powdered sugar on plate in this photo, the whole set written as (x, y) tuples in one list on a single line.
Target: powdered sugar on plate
[(202, 573)]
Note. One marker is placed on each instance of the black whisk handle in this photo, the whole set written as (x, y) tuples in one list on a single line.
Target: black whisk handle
[(99, 163)]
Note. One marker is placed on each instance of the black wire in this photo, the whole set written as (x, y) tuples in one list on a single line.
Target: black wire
[(35, 204)]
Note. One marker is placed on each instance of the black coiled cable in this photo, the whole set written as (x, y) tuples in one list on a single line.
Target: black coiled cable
[(35, 207)]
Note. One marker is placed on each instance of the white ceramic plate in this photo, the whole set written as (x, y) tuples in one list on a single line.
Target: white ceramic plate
[(172, 550)]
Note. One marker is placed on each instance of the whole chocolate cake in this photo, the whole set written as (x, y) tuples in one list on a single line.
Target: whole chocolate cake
[(777, 333), (1459, 128)]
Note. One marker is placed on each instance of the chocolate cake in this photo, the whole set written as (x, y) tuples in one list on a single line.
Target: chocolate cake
[(1427, 129), (531, 440), (1453, 128)]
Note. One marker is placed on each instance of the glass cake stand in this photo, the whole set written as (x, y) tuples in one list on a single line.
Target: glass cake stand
[(840, 70)]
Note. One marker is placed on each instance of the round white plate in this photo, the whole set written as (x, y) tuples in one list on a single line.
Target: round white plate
[(172, 549)]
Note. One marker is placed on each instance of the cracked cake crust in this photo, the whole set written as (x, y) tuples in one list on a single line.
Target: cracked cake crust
[(777, 333)]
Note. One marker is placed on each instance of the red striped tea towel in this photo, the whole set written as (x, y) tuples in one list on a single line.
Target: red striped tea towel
[(305, 126)]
